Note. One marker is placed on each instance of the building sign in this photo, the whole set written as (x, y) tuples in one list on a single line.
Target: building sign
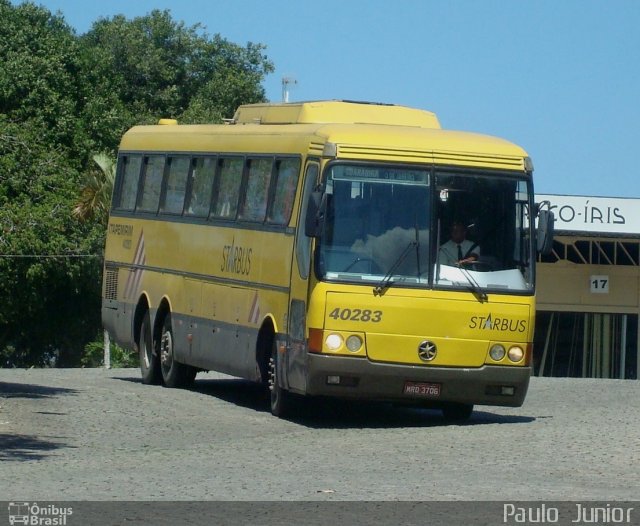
[(600, 215), (599, 284)]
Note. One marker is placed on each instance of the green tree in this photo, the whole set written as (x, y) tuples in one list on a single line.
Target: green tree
[(63, 96), (49, 286), (41, 77), (152, 66), (50, 293)]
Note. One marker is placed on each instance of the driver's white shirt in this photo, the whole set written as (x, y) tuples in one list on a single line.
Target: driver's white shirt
[(448, 254)]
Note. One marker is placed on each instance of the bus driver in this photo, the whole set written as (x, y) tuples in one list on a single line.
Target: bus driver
[(458, 250)]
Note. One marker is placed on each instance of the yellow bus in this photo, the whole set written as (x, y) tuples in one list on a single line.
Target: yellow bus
[(302, 245)]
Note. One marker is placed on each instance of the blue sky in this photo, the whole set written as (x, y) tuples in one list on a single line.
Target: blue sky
[(559, 77)]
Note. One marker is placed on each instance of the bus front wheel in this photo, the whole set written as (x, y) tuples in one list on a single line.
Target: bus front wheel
[(280, 398), (149, 360), (174, 374)]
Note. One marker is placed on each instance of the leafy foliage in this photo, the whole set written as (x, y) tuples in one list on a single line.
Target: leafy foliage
[(41, 76), (153, 66), (95, 195), (62, 98), (50, 289), (94, 355)]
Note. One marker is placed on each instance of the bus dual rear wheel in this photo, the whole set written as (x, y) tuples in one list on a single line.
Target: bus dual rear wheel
[(174, 374), (149, 359)]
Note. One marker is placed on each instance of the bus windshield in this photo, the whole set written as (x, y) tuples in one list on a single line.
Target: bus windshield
[(404, 226)]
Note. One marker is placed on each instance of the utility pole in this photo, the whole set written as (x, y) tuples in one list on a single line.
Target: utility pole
[(286, 82), (107, 350)]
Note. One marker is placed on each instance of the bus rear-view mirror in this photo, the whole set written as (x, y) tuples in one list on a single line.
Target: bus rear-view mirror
[(545, 229), (315, 215)]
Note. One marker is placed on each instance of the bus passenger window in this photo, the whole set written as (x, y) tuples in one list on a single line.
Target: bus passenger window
[(254, 207), (176, 185), (228, 188), (130, 173), (152, 181), (204, 169), (287, 171)]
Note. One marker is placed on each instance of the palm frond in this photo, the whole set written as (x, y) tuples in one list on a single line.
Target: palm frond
[(95, 194)]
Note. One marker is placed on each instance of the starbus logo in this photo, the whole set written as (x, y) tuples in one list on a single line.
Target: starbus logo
[(36, 515), (494, 323)]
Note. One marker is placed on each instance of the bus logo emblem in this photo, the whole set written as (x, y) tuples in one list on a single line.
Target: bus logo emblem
[(427, 350)]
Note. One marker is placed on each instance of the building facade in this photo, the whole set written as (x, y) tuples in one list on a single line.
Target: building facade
[(589, 290)]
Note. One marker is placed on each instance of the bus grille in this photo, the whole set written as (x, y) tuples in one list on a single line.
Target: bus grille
[(111, 284)]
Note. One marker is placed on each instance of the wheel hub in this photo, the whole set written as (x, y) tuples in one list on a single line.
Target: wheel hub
[(272, 373), (166, 349)]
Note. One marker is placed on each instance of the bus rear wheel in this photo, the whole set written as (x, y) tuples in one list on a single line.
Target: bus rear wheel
[(174, 374), (457, 413), (149, 360)]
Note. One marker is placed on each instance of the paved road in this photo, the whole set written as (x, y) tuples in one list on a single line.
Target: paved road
[(91, 434)]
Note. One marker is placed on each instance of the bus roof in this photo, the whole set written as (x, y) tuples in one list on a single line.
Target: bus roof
[(307, 128), (336, 112)]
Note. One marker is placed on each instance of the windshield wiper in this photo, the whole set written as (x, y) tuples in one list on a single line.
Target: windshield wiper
[(474, 286), (386, 282)]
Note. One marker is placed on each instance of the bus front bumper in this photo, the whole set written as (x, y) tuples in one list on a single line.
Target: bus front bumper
[(347, 377)]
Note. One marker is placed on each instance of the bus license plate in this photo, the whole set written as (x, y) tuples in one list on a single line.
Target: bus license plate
[(422, 389)]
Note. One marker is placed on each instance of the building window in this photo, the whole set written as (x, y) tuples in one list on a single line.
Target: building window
[(594, 252), (586, 345)]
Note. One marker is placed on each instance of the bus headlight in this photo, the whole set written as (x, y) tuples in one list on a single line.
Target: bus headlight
[(354, 343), (515, 353), (333, 342), (497, 352)]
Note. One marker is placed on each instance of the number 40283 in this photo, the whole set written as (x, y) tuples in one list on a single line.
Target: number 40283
[(365, 315)]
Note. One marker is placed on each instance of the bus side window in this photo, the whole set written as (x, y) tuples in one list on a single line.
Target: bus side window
[(151, 183), (201, 186), (228, 189), (128, 186), (254, 206), (176, 185), (286, 174)]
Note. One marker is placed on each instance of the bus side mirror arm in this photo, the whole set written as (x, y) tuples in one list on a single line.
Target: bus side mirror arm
[(314, 219), (544, 232)]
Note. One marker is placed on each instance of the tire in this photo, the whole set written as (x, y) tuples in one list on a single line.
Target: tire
[(280, 399), (149, 360), (174, 374), (457, 413)]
